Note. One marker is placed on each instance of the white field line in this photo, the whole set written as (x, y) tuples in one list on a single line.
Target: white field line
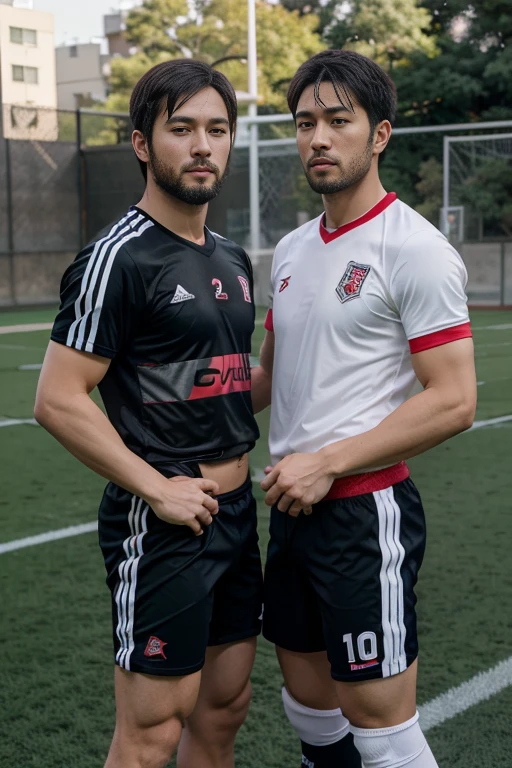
[(489, 422), (43, 538), (457, 700), (16, 422), (502, 327), (4, 329)]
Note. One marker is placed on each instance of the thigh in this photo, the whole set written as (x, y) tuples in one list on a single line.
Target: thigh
[(144, 702), (379, 703), (307, 677), (363, 555), (225, 676), (238, 594), (291, 616)]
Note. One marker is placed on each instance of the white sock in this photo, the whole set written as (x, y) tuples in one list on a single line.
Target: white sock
[(400, 745)]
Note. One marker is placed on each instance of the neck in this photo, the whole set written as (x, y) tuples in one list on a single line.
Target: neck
[(185, 220), (346, 206)]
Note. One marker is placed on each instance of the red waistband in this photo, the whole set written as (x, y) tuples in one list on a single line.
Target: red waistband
[(368, 482)]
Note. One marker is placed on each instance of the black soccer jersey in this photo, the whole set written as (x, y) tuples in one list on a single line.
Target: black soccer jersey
[(176, 319)]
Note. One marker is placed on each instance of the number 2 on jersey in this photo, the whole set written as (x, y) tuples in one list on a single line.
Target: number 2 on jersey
[(218, 289)]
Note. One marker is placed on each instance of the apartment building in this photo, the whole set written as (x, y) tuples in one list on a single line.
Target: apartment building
[(81, 75), (27, 72)]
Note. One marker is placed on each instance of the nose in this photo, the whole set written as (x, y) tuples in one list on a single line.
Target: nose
[(320, 139), (201, 146)]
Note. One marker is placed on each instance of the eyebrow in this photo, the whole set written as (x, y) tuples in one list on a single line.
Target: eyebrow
[(193, 121), (326, 111)]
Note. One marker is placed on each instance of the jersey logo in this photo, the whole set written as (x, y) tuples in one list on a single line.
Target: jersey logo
[(350, 285), (155, 647), (285, 282), (181, 295), (219, 294), (245, 288)]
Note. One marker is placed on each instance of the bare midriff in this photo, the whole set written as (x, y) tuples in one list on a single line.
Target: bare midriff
[(229, 474)]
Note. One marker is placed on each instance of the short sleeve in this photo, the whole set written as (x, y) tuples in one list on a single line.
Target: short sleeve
[(428, 288), (102, 296), (269, 319)]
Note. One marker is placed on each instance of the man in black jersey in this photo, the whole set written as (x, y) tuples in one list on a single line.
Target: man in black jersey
[(158, 313)]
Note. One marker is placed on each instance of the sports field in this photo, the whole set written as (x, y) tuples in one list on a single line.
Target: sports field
[(56, 695)]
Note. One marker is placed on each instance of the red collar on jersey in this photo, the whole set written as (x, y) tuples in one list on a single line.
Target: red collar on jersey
[(328, 237)]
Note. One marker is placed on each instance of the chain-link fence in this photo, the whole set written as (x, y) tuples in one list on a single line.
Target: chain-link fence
[(65, 175)]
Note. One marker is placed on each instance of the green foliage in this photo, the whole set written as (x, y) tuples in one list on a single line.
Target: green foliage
[(163, 29), (388, 31), (488, 193), (430, 188)]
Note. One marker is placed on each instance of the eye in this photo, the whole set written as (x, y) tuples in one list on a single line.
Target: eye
[(304, 124), (339, 121), (218, 131), (179, 130)]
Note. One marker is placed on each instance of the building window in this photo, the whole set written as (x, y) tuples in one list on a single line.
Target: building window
[(73, 51), (25, 74), (23, 36)]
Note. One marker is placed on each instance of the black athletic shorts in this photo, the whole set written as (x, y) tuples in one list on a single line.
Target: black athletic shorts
[(342, 579), (174, 593)]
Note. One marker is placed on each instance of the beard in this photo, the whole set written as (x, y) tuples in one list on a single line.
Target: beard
[(347, 176), (172, 182)]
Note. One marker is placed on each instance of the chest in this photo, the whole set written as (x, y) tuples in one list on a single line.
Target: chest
[(199, 305), (340, 287)]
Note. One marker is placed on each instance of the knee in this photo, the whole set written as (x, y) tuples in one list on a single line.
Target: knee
[(229, 714), (147, 747)]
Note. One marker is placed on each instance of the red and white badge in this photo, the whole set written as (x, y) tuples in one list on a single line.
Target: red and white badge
[(350, 285)]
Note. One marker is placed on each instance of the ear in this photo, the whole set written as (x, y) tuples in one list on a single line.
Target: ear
[(140, 146), (381, 137)]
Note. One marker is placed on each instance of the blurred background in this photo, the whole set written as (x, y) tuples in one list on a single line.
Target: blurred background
[(67, 169)]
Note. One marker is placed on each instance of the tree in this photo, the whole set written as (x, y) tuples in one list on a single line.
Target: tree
[(488, 193), (388, 31), (163, 29)]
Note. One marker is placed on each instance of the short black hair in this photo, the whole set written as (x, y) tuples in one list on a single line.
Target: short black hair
[(176, 81), (350, 73)]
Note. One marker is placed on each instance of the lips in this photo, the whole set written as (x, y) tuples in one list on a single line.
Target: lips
[(321, 163)]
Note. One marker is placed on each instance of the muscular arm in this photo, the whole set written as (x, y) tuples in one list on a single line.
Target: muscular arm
[(64, 408), (261, 375), (445, 407)]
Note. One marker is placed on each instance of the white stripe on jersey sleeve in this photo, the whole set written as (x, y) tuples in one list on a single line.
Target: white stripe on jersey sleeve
[(85, 278), (89, 346)]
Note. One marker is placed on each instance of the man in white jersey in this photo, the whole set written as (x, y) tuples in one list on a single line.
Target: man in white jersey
[(368, 299)]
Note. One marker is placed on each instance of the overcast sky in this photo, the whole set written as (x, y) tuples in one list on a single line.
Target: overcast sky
[(78, 19)]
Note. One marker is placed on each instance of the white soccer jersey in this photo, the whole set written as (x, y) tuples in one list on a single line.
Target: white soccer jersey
[(349, 308)]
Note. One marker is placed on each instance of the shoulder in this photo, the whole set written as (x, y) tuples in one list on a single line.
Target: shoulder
[(406, 223), (310, 229), (229, 245), (413, 239)]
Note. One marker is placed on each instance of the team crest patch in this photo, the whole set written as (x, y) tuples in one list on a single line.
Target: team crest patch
[(350, 285), (155, 647)]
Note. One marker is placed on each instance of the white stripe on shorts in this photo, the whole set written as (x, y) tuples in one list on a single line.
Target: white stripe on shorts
[(392, 588), (126, 589)]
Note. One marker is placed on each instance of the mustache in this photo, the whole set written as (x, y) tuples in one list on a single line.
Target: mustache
[(200, 164)]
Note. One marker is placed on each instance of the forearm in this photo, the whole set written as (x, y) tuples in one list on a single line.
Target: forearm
[(84, 430), (421, 423), (261, 388)]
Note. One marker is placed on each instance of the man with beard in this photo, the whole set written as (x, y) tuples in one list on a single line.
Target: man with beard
[(158, 313), (367, 299)]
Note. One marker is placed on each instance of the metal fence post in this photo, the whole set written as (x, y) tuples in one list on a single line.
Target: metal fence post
[(80, 180), (10, 221)]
